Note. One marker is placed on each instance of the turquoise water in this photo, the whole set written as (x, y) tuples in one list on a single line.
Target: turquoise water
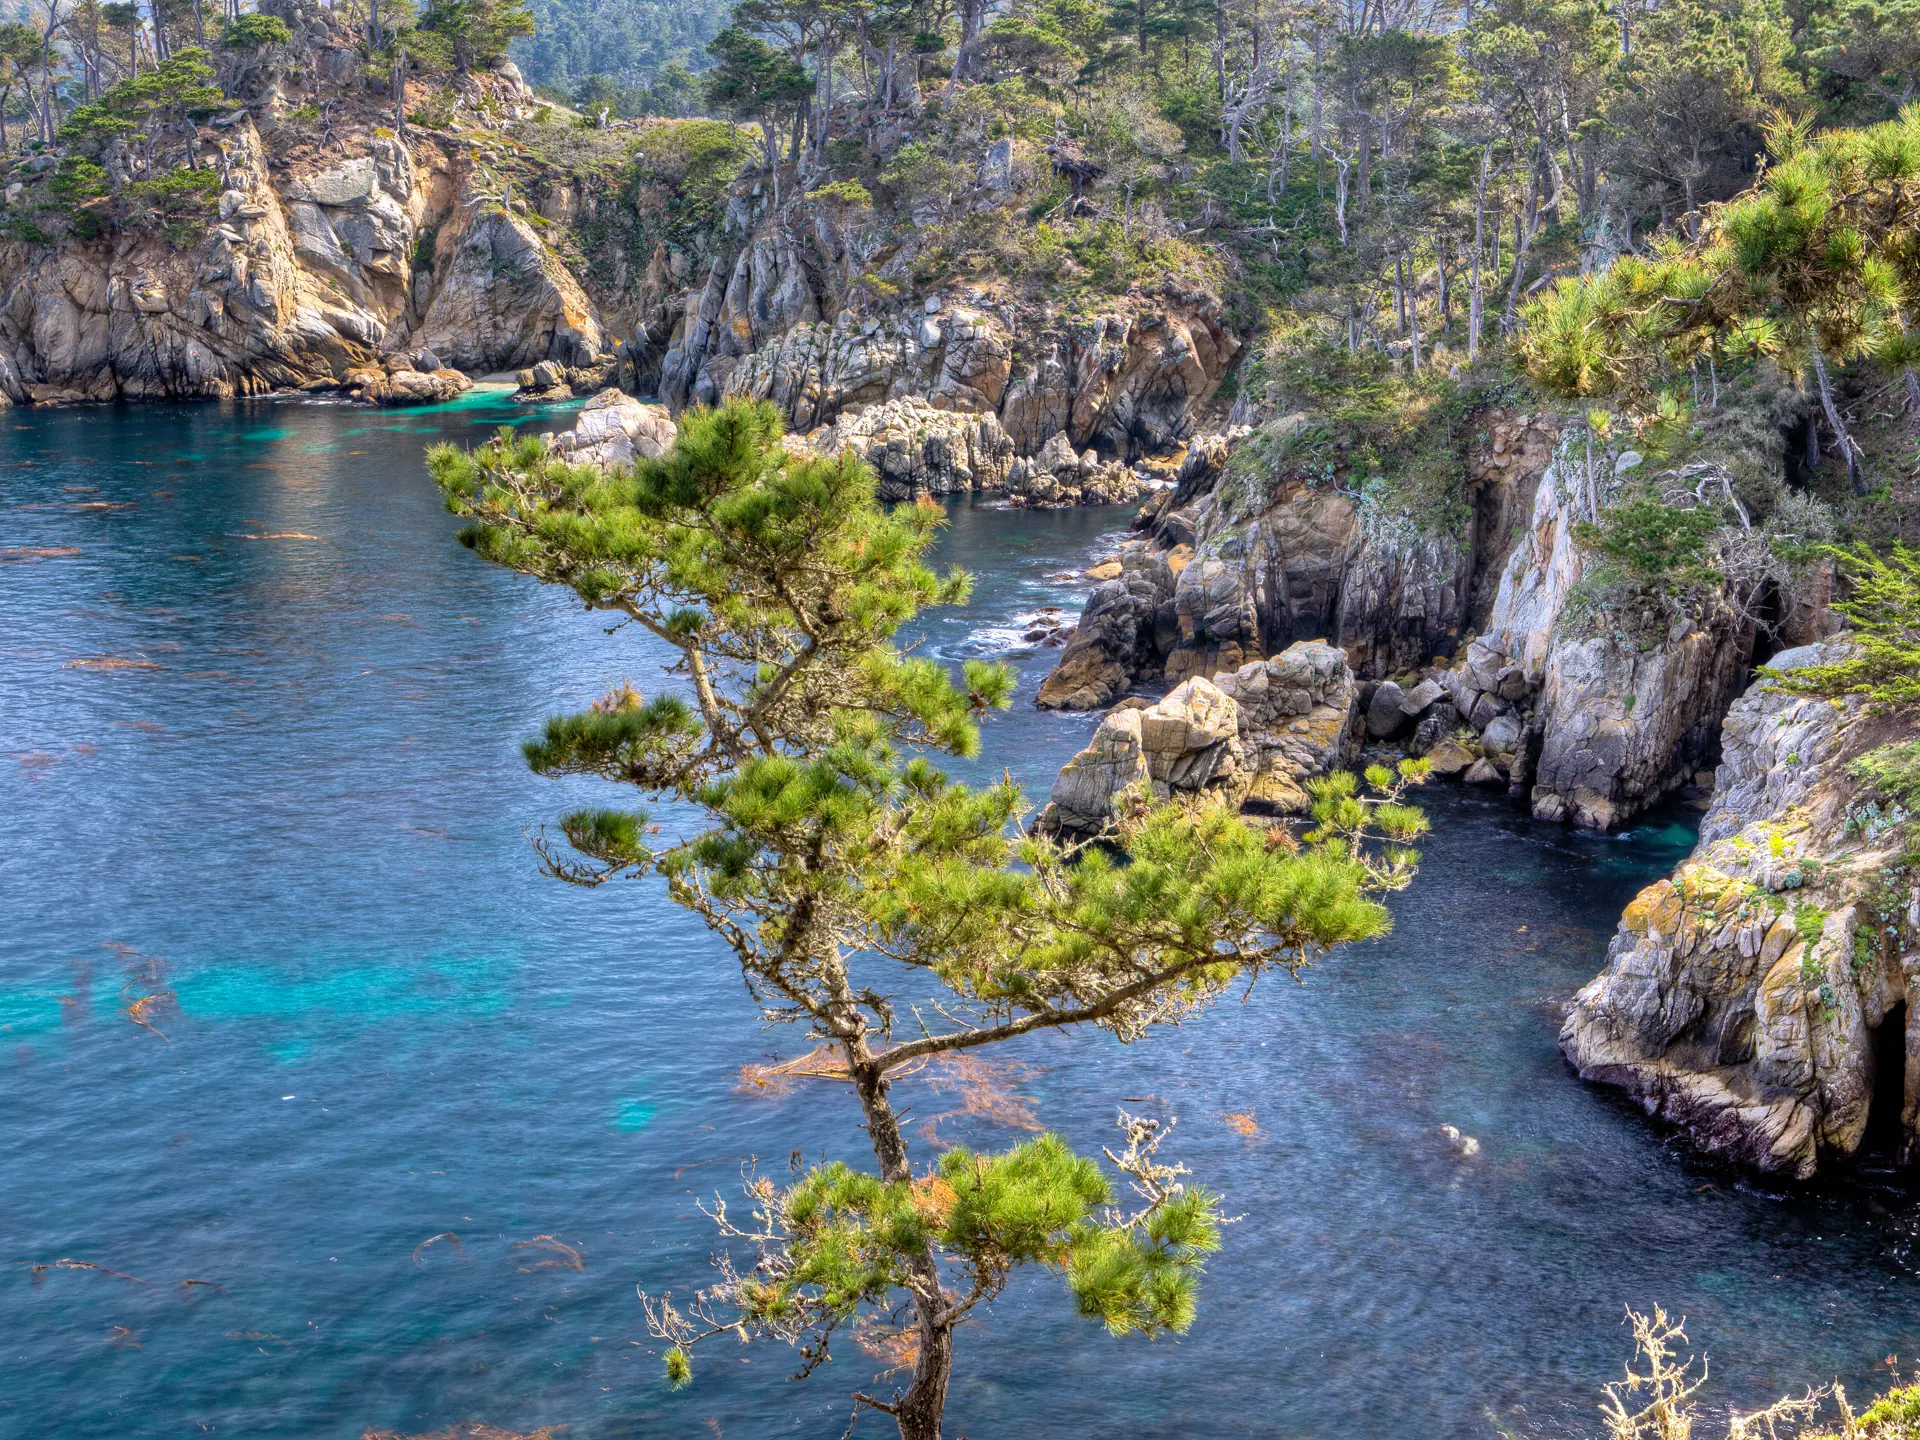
[(415, 1121)]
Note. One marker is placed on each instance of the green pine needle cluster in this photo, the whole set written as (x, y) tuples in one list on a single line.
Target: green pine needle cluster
[(1882, 608), (1821, 259)]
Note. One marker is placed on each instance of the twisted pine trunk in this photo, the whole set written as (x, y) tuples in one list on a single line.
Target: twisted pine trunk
[(919, 1408), (1839, 426)]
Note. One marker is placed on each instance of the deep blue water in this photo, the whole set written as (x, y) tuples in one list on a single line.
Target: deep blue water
[(301, 812)]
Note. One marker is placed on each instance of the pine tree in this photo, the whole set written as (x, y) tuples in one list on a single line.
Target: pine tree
[(1817, 265), (804, 737)]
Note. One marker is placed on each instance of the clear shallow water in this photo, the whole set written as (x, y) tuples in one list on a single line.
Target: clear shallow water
[(301, 810)]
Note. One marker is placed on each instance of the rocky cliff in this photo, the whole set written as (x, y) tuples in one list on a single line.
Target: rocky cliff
[(1481, 643), (1591, 725), (335, 254), (1758, 999), (1232, 571), (352, 242)]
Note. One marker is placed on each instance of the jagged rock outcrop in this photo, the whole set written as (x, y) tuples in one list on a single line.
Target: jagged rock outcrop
[(1188, 739), (1743, 999), (1593, 728), (1183, 744), (345, 237), (616, 429), (317, 271), (1301, 563), (1298, 719), (1126, 626), (1095, 783), (1622, 727), (917, 450), (500, 299), (1253, 736), (399, 383)]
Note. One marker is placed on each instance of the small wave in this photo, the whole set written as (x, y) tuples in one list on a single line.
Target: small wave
[(1042, 629)]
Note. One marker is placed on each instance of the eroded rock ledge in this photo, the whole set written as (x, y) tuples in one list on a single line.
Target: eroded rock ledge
[(1743, 997)]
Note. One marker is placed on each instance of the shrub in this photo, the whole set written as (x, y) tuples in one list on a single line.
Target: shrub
[(1883, 613), (919, 173), (699, 158), (175, 203), (77, 180), (1395, 443), (1652, 541), (847, 194), (255, 32), (1892, 772)]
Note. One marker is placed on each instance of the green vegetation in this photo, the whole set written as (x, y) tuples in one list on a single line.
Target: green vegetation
[(1892, 773), (149, 123), (625, 47), (664, 184), (1894, 1416), (1819, 264), (850, 194), (1882, 608), (1393, 441), (1654, 565), (462, 35), (255, 32), (805, 738)]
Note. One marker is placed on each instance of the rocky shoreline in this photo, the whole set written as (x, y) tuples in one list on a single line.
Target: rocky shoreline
[(1268, 618), (1758, 1000)]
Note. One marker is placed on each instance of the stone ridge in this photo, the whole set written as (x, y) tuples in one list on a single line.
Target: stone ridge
[(1741, 996)]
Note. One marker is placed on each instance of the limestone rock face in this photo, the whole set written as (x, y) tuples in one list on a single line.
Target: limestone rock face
[(1621, 728), (502, 300), (1741, 996), (776, 326), (616, 429)]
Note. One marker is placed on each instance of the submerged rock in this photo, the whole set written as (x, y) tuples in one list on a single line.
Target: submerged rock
[(406, 386)]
